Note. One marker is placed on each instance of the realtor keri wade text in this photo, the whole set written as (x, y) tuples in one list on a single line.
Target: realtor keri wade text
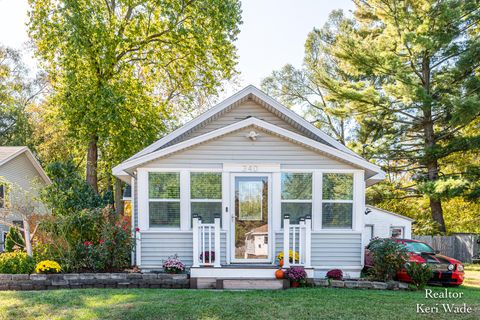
[(444, 301)]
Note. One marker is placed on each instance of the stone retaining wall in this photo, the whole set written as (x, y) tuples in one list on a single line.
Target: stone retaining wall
[(361, 284), (92, 280)]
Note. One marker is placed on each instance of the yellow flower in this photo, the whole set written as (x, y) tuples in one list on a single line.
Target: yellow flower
[(48, 266), (291, 253)]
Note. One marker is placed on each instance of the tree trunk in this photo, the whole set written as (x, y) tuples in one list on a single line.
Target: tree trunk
[(118, 196), (92, 163), (28, 240)]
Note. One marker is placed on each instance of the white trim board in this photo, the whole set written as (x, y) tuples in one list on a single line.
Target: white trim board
[(245, 92), (243, 124)]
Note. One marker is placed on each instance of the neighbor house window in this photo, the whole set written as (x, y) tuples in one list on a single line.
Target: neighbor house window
[(296, 195), (396, 232), (337, 200), (2, 196), (206, 195), (164, 199)]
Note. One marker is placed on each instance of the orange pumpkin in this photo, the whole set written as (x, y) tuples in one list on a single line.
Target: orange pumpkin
[(280, 262), (279, 274)]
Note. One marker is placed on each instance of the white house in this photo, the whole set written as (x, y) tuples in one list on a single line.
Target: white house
[(249, 164), (18, 166), (385, 224)]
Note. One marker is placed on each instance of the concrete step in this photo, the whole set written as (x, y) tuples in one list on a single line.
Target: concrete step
[(252, 284)]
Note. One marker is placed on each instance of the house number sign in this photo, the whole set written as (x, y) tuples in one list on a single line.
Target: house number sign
[(251, 167)]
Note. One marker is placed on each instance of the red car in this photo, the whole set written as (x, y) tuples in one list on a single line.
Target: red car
[(446, 271)]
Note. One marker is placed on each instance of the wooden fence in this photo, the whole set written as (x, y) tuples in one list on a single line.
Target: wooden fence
[(463, 247)]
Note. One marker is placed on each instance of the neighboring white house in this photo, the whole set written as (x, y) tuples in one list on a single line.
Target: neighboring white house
[(19, 166), (385, 224), (250, 162)]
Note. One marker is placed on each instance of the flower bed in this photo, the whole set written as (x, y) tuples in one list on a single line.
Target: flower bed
[(93, 280)]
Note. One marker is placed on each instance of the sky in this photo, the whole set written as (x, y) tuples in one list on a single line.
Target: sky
[(273, 32)]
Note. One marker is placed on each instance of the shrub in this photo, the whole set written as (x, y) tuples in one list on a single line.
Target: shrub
[(92, 240), (420, 273), (389, 257), (296, 274), (47, 266), (173, 265), (14, 240), (16, 262), (335, 274)]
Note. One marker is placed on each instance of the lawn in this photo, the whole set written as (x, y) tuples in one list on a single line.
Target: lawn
[(307, 303)]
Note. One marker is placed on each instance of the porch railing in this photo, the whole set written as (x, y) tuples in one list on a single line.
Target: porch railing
[(206, 242), (298, 238)]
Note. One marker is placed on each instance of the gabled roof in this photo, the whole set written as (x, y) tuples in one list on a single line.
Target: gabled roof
[(252, 121), (9, 153), (389, 212), (249, 91)]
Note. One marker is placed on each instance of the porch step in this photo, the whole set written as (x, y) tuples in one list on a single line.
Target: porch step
[(251, 284)]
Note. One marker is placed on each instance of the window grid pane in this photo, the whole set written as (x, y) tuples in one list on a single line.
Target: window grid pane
[(337, 186), (296, 186), (207, 210), (164, 185), (206, 185), (337, 215), (164, 214)]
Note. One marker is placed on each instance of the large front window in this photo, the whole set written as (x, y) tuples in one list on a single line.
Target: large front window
[(206, 195), (296, 195), (337, 201), (164, 199)]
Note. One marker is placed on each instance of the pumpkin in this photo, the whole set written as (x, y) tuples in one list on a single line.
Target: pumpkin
[(279, 274)]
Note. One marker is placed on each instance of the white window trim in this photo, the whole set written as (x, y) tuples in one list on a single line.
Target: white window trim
[(204, 200), (295, 200), (397, 227)]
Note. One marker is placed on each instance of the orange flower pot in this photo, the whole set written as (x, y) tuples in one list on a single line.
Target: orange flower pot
[(279, 274)]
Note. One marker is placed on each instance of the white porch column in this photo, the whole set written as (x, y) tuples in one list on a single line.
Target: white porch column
[(195, 263), (286, 241), (308, 241), (218, 253)]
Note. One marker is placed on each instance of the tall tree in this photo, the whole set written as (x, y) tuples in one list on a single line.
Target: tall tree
[(118, 66), (416, 64), (17, 93)]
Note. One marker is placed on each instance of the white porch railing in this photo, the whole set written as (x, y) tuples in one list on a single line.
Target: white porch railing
[(206, 239), (298, 238)]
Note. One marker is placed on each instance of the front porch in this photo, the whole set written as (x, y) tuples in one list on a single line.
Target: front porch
[(207, 269)]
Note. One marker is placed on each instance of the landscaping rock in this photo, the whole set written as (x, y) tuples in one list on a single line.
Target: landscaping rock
[(403, 285), (322, 282), (17, 277), (365, 284), (379, 285), (5, 277), (337, 284), (351, 284), (71, 276), (38, 277)]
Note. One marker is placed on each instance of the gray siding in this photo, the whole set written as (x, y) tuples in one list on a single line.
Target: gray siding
[(158, 246), (336, 249), (235, 114), (235, 147), (331, 249)]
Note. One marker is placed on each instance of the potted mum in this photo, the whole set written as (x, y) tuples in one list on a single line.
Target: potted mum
[(291, 255), (173, 265), (296, 275), (335, 274)]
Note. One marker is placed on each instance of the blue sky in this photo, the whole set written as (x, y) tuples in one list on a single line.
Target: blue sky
[(272, 34)]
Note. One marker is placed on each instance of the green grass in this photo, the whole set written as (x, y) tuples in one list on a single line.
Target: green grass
[(305, 303)]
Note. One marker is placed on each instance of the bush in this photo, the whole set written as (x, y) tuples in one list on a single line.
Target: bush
[(92, 240), (16, 263), (47, 266), (335, 274), (389, 257), (14, 240), (420, 273)]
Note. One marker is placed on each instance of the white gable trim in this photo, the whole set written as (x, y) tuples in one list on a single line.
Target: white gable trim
[(32, 159), (390, 213), (118, 170), (231, 100)]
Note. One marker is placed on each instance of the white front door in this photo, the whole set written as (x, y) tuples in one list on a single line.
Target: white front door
[(251, 217)]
